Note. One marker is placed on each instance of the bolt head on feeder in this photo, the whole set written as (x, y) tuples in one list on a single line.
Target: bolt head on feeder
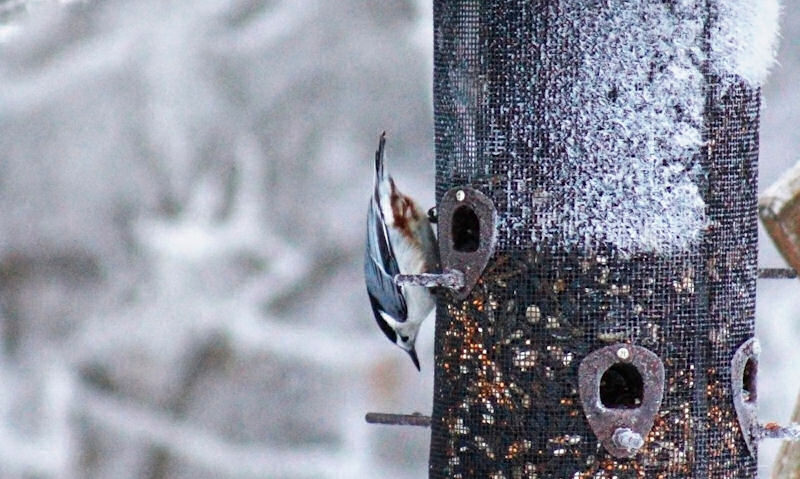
[(627, 439), (623, 353)]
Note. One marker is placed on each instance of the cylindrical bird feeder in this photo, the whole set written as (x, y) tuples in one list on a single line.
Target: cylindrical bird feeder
[(617, 146)]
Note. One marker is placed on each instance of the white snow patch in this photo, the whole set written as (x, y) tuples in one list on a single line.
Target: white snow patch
[(630, 123), (744, 38), (8, 32)]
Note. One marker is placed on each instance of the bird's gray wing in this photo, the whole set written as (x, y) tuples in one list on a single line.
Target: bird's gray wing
[(380, 267)]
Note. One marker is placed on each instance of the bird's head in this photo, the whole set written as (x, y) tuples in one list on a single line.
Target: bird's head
[(405, 339), (406, 343)]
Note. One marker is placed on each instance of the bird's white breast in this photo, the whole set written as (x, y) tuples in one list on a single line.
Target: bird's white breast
[(410, 260)]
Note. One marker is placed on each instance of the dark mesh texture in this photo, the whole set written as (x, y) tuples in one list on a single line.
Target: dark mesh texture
[(506, 401)]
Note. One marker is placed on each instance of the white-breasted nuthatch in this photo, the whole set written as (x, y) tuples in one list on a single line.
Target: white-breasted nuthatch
[(399, 241)]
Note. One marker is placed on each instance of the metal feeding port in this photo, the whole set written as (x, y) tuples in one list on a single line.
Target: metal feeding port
[(466, 234), (466, 219), (744, 370), (621, 387)]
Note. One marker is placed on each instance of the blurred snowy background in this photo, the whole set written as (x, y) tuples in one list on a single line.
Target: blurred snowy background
[(182, 194)]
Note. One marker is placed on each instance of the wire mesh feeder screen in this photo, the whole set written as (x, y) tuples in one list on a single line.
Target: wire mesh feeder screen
[(623, 172)]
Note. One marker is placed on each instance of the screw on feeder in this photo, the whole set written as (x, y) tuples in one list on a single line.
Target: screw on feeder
[(623, 353), (625, 438)]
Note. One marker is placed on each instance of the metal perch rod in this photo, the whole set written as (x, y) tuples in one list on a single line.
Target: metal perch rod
[(771, 430), (768, 430), (415, 419), (776, 273), (452, 279)]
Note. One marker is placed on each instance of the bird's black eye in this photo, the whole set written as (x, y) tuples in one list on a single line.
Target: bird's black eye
[(404, 338)]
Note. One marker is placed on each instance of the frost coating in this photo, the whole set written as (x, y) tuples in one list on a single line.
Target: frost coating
[(630, 123), (744, 38)]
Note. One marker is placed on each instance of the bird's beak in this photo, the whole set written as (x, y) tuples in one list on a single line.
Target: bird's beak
[(413, 353)]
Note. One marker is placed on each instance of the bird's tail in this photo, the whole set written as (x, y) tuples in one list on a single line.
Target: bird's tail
[(379, 173)]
